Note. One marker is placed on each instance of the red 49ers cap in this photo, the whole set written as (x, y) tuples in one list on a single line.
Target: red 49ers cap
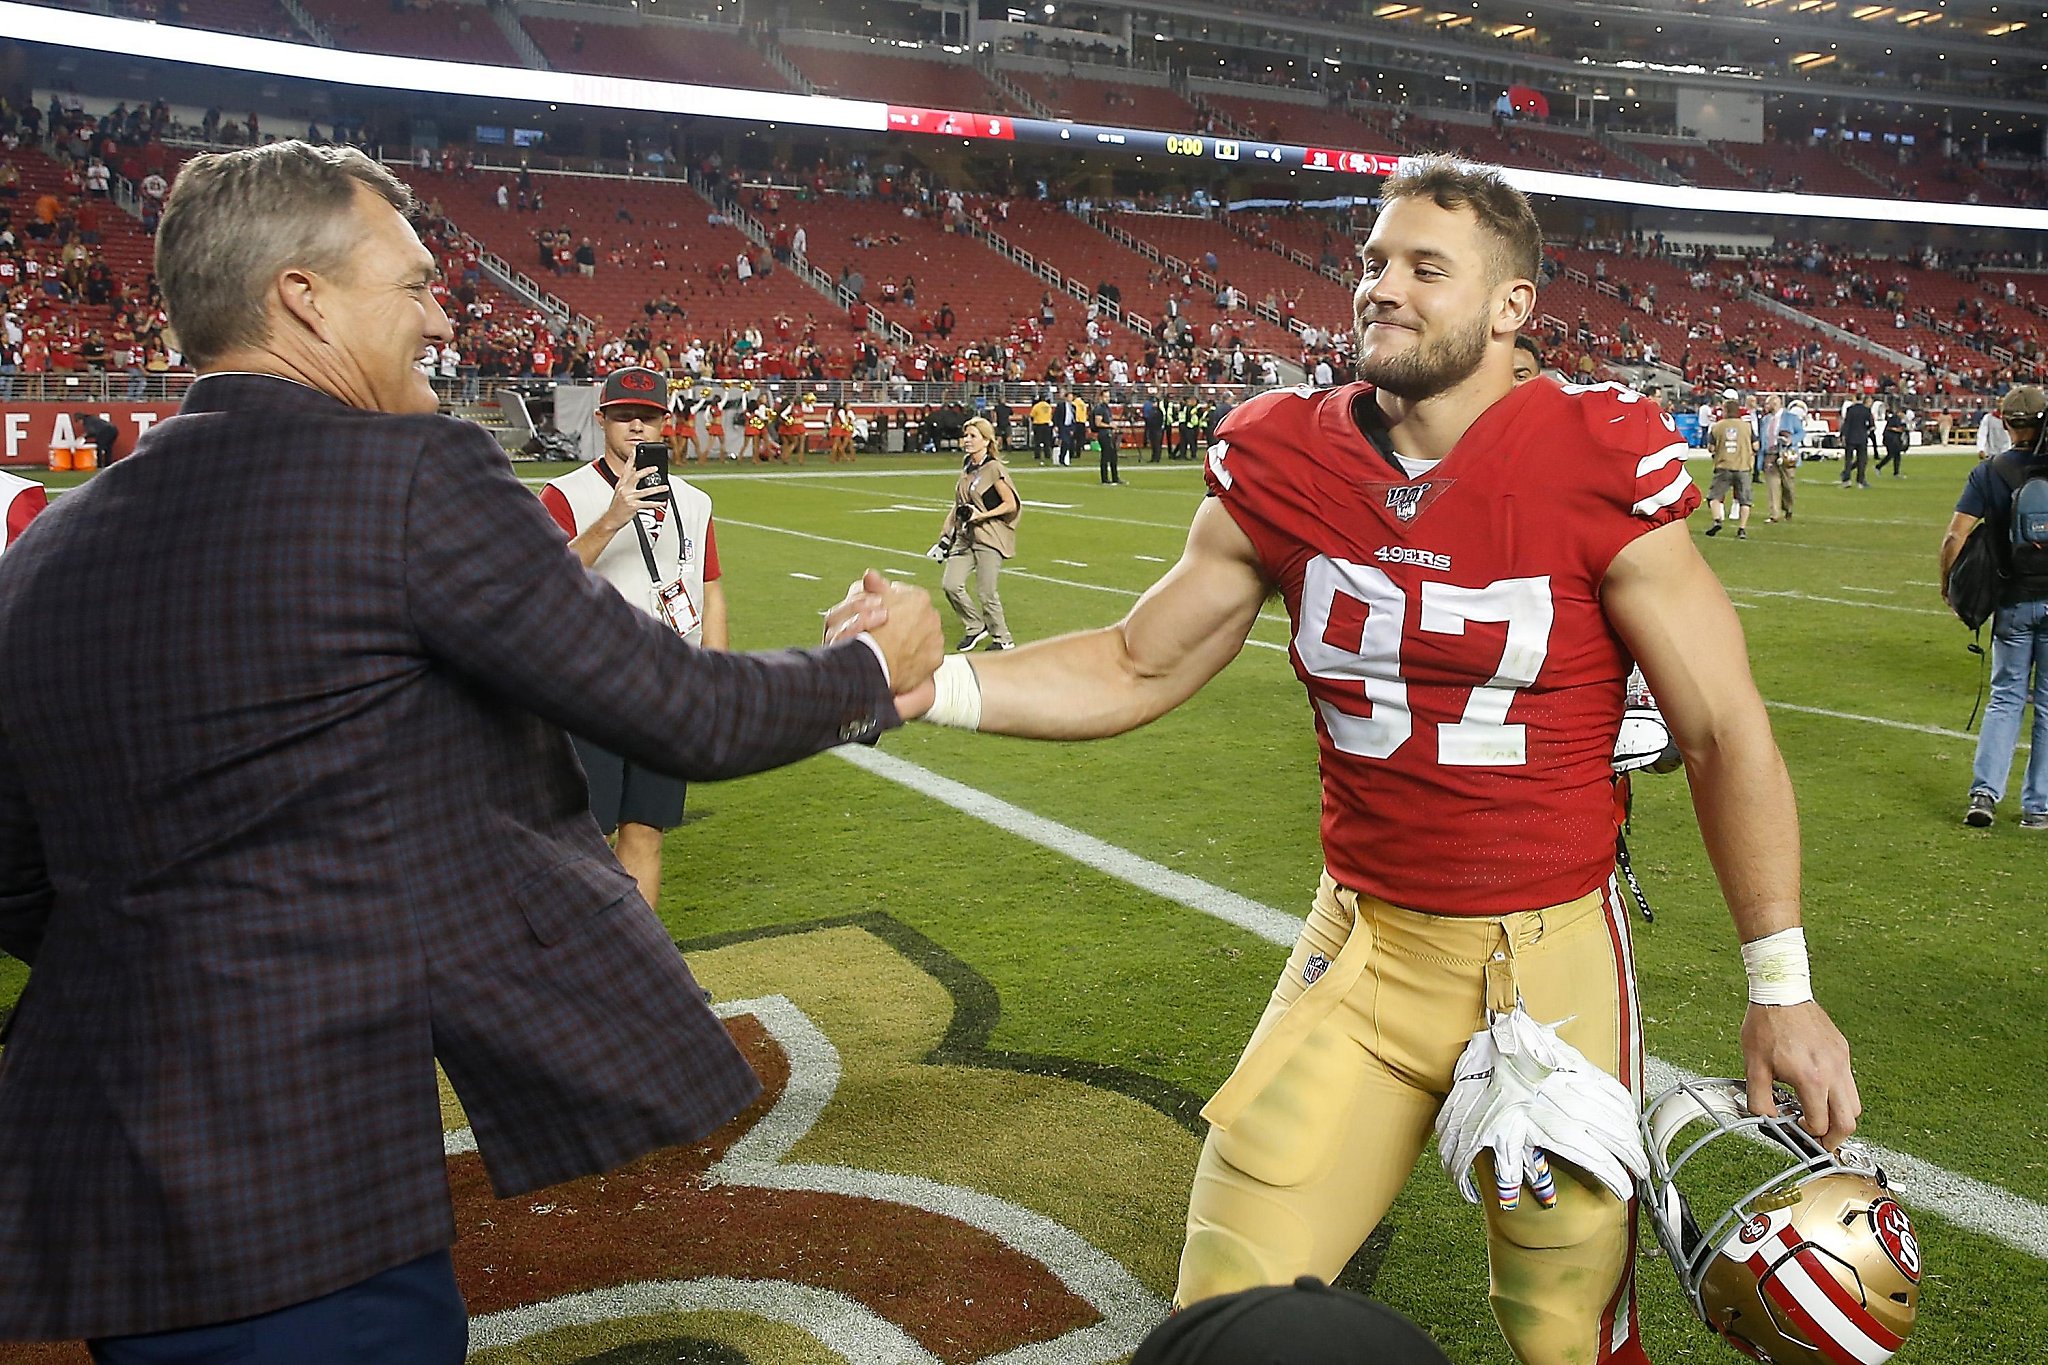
[(637, 386), (1305, 1323)]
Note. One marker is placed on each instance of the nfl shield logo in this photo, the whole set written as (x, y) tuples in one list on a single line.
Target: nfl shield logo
[(1405, 500), (1313, 969)]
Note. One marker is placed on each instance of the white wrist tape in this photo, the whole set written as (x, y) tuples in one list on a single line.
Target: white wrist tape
[(958, 700), (1777, 968)]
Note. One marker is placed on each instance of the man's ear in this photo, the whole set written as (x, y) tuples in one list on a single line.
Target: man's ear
[(300, 293), (1517, 305)]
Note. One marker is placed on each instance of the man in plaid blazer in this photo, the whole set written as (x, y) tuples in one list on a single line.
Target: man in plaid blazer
[(287, 813)]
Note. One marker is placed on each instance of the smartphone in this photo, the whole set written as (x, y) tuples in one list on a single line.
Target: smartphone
[(653, 455)]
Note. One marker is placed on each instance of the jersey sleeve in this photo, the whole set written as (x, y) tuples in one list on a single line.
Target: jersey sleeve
[(22, 509), (1638, 481), (711, 570), (1660, 490), (558, 507)]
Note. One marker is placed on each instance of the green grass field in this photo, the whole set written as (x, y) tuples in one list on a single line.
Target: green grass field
[(1926, 946)]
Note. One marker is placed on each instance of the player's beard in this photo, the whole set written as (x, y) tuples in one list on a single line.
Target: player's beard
[(1427, 368)]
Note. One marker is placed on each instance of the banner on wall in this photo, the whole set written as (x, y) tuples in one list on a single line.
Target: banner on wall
[(1721, 115), (28, 430)]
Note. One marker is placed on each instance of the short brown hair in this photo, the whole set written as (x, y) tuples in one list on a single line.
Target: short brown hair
[(236, 219), (1502, 210)]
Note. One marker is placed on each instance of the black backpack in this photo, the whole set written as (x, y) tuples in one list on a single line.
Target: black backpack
[(2014, 552), (2027, 522)]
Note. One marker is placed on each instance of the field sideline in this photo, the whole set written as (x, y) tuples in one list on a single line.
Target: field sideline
[(1133, 926)]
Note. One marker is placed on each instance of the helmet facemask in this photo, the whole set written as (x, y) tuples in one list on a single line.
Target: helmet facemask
[(1817, 1264)]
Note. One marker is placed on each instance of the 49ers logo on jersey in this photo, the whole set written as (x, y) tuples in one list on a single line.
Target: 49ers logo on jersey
[(1407, 501), (1408, 554), (1895, 1234)]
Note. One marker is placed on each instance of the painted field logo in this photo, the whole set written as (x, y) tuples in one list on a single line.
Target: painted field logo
[(1895, 1234), (878, 1205), (1313, 969)]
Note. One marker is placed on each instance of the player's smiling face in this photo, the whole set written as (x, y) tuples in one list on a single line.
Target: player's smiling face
[(1426, 299)]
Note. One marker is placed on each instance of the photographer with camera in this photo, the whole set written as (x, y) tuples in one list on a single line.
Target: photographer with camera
[(667, 566), (979, 534), (2010, 492)]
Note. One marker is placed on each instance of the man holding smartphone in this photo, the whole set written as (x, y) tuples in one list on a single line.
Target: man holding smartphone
[(649, 535)]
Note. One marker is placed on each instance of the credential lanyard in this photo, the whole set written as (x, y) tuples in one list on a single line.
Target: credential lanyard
[(647, 551)]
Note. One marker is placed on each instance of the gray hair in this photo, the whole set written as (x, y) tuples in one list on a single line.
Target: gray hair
[(236, 220)]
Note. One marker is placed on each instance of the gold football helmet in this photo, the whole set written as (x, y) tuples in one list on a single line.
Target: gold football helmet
[(1818, 1265)]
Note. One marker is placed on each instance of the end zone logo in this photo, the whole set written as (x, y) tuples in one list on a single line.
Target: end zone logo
[(1754, 1230), (1895, 1234)]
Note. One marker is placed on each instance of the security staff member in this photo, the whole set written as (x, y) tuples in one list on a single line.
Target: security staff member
[(1104, 420), (1041, 430)]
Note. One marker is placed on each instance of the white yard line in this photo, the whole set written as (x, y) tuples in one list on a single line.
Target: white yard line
[(1791, 596), (1986, 1209)]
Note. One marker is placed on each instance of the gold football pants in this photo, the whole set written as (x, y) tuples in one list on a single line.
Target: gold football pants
[(1321, 1124)]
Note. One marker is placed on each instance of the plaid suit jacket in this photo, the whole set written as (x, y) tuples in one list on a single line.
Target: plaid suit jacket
[(287, 812)]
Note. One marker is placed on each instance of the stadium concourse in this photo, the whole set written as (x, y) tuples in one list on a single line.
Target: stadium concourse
[(1173, 296)]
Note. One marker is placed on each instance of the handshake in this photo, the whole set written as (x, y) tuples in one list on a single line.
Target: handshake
[(903, 624)]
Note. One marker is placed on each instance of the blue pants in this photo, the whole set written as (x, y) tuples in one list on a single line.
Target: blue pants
[(409, 1315), (2019, 665)]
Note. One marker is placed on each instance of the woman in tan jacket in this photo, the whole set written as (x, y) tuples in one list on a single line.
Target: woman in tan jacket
[(980, 533)]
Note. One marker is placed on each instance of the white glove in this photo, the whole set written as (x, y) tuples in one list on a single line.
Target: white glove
[(1527, 1095), (937, 553)]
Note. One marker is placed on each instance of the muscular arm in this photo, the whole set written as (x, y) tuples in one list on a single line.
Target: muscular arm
[(1103, 682), (1670, 611), (1672, 614)]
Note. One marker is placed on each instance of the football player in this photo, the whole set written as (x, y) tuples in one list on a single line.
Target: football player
[(1470, 568)]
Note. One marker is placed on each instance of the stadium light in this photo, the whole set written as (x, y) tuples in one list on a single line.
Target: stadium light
[(265, 56)]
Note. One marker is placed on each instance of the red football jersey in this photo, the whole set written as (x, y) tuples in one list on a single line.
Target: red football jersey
[(1465, 682)]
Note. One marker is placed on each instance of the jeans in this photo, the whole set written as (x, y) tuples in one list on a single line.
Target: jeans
[(2019, 651)]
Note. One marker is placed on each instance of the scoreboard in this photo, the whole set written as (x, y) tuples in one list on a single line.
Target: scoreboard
[(1247, 153)]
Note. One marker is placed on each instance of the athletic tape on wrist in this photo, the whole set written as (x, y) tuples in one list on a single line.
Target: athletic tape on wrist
[(1777, 968), (958, 700)]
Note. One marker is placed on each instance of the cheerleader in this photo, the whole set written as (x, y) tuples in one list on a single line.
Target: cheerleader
[(790, 428), (754, 439), (714, 428), (840, 432), (680, 430)]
